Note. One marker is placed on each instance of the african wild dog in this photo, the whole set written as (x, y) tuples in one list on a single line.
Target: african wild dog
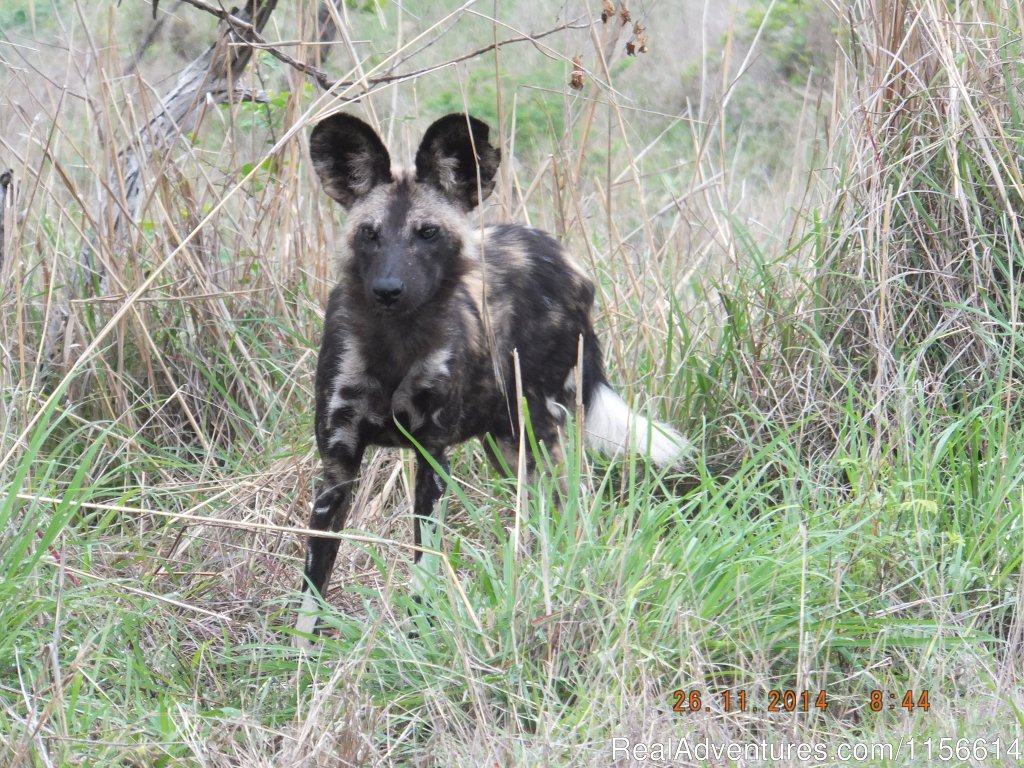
[(421, 328)]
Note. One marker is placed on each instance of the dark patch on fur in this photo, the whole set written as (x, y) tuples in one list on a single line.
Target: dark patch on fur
[(342, 415)]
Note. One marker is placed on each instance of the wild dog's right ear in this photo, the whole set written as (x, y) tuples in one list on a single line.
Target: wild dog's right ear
[(349, 158), (453, 149)]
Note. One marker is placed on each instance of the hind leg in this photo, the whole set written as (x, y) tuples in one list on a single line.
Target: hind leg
[(549, 432), (503, 451)]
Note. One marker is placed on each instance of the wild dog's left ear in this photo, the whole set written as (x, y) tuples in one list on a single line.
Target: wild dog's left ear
[(453, 150)]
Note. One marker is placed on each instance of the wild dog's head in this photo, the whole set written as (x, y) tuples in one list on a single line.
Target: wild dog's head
[(405, 230)]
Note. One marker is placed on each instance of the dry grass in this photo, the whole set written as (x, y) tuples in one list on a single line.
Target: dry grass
[(927, 212), (836, 325)]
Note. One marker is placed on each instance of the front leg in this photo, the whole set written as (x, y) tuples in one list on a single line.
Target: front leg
[(429, 488), (330, 509)]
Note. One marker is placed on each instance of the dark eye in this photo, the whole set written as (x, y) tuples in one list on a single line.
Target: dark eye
[(427, 231), (368, 232)]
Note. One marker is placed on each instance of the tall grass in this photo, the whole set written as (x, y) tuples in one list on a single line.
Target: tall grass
[(831, 314)]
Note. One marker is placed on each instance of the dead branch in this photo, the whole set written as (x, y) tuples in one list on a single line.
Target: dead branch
[(252, 37)]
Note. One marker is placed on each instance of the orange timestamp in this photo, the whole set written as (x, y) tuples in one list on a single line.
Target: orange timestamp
[(779, 700), (909, 700), (789, 700)]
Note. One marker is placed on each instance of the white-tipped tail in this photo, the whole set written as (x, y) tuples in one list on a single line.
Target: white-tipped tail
[(611, 428)]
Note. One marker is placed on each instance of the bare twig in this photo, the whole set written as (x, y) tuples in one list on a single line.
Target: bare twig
[(254, 39), (6, 200)]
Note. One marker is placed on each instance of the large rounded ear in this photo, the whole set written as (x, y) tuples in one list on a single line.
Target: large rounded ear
[(453, 151), (349, 158)]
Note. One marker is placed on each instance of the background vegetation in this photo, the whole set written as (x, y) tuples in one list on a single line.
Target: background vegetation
[(804, 222)]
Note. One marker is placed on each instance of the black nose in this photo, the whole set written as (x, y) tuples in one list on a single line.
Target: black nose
[(387, 290)]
